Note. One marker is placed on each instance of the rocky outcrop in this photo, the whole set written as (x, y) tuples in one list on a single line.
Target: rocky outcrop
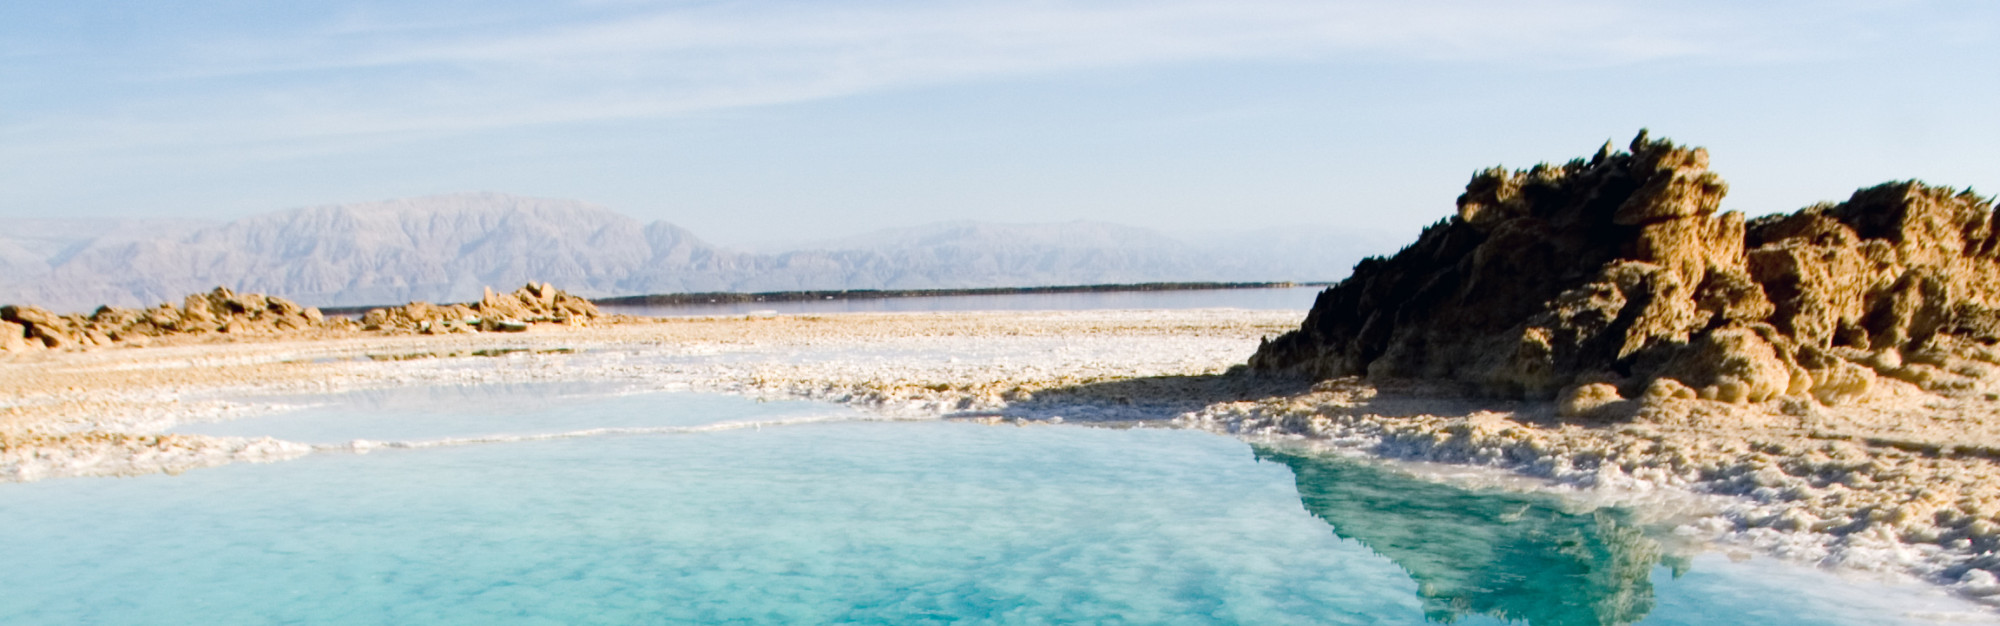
[(1619, 273), (534, 303), (218, 311), (225, 312)]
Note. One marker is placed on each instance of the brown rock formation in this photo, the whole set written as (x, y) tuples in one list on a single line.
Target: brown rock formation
[(224, 312), (534, 303), (218, 311), (13, 337), (1620, 270)]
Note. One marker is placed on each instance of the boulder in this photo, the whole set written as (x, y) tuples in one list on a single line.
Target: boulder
[(40, 325), (494, 312), (13, 337), (1588, 400)]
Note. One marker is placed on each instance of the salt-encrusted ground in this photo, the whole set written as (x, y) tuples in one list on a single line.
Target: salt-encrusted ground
[(1904, 482), (102, 412)]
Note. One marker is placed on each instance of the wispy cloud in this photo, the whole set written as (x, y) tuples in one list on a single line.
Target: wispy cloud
[(385, 75)]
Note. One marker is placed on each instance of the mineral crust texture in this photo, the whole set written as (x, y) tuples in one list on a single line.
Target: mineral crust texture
[(1619, 272)]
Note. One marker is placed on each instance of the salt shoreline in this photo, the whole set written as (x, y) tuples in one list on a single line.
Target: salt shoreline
[(1853, 487)]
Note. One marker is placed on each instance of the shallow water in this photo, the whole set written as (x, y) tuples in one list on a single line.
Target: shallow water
[(425, 414), (1282, 298), (841, 521)]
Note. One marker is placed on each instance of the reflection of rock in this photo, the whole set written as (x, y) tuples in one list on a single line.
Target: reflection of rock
[(1620, 269), (1505, 555)]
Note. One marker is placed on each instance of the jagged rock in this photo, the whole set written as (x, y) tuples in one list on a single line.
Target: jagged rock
[(513, 312), (224, 311), (220, 310), (422, 317), (1622, 268), (49, 329), (13, 337)]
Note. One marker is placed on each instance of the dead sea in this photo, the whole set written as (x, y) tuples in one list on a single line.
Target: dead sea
[(1747, 479)]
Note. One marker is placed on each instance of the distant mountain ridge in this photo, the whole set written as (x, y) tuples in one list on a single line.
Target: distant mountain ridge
[(446, 248)]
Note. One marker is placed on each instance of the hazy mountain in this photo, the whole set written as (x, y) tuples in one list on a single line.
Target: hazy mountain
[(445, 248), (975, 254), (1305, 252), (31, 248)]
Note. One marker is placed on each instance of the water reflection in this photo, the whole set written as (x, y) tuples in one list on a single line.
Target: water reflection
[(1517, 557)]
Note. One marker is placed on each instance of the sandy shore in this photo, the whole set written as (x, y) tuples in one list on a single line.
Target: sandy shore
[(1905, 481)]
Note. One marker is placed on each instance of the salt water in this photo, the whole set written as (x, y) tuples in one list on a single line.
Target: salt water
[(681, 508)]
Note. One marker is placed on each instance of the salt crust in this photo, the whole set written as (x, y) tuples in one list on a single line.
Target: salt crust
[(1878, 487)]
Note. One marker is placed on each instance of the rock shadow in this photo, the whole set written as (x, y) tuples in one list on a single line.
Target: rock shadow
[(1152, 397), (1165, 397)]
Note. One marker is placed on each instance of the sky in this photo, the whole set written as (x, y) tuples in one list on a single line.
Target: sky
[(774, 120)]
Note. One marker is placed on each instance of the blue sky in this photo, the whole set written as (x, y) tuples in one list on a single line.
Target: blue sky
[(781, 120)]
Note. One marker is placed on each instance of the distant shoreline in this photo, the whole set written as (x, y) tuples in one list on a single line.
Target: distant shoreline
[(730, 297), (734, 297)]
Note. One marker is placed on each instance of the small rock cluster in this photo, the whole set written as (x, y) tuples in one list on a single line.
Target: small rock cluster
[(534, 303), (219, 311), (1617, 277), (27, 328)]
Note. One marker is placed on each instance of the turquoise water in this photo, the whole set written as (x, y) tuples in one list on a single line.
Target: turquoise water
[(840, 522)]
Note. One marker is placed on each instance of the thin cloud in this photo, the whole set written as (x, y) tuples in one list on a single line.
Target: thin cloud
[(377, 77), (1026, 35)]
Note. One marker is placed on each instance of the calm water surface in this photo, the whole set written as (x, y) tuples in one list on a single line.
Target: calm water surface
[(1300, 298), (801, 521)]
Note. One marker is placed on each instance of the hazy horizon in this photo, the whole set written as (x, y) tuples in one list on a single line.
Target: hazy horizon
[(447, 248), (754, 122), (755, 242)]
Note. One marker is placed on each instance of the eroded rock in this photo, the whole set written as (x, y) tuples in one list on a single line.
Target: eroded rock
[(225, 312), (1550, 277), (512, 312), (1589, 400), (13, 337)]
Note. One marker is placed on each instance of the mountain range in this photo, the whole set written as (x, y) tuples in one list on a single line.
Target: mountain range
[(447, 248)]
